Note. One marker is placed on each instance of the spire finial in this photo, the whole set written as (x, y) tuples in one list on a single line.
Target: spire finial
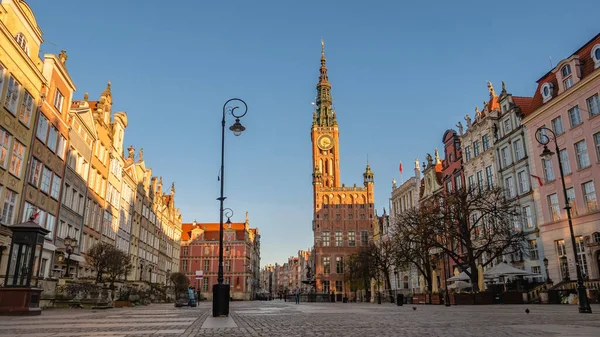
[(322, 49)]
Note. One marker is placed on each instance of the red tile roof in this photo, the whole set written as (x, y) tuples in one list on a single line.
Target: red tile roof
[(584, 54), (524, 103)]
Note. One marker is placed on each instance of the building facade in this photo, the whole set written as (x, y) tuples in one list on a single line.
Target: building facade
[(200, 252), (342, 215), (567, 102), (21, 92)]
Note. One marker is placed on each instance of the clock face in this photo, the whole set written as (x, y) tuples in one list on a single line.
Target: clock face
[(325, 142)]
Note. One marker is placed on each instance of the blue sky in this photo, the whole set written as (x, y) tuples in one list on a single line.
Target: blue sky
[(402, 73)]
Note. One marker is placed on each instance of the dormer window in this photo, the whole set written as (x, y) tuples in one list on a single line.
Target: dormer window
[(596, 56), (547, 90), (567, 78), (21, 41)]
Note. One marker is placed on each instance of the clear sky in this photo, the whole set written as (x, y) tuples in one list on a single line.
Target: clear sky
[(402, 73)]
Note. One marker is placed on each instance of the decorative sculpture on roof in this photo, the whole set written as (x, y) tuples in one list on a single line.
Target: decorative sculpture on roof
[(417, 164), (141, 154), (173, 188), (491, 89), (503, 87), (62, 57), (460, 128), (429, 160), (468, 118), (131, 151), (86, 96), (478, 113)]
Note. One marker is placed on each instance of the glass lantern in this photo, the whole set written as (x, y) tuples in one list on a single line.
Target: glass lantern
[(25, 255)]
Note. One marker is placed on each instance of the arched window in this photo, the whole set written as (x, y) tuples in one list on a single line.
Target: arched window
[(22, 41), (566, 71)]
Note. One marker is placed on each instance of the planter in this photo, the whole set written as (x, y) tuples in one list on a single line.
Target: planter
[(122, 304), (419, 298), (486, 298), (462, 299), (436, 299)]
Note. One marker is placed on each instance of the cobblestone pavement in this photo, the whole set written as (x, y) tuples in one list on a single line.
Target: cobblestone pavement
[(275, 318)]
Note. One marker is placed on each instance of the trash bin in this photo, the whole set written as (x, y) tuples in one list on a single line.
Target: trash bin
[(400, 299)]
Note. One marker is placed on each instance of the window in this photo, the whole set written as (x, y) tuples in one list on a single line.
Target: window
[(326, 286), (510, 187), (49, 225), (42, 129), (16, 162), (58, 100), (207, 265), (554, 207), (364, 238), (22, 42), (518, 146), (5, 139), (547, 90), (557, 125), (339, 286), (480, 180), (507, 126), (485, 140), (457, 182), (449, 186), (339, 240), (326, 265), (467, 153), (571, 200), (471, 182), (574, 116), (2, 70), (8, 209), (60, 149), (205, 284), (597, 144), (505, 156), (489, 176), (593, 104), (35, 173), (548, 170), (26, 107), (533, 250), (567, 78), (339, 265), (351, 239), (476, 148), (12, 95), (326, 239), (523, 182), (583, 159), (579, 243), (46, 178), (52, 137), (589, 196), (527, 217), (227, 265), (564, 161)]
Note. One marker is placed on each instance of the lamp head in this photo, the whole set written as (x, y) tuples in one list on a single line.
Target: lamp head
[(237, 128), (547, 153)]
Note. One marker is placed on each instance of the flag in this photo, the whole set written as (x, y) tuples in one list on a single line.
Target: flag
[(34, 216), (400, 167), (538, 179)]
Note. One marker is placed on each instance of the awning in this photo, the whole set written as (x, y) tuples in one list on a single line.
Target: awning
[(77, 258), (49, 246)]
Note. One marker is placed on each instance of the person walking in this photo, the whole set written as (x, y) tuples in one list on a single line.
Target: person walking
[(297, 295)]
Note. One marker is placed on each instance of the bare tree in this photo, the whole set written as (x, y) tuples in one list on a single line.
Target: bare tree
[(478, 227), (384, 257), (118, 264), (180, 283), (97, 256), (361, 269), (414, 236)]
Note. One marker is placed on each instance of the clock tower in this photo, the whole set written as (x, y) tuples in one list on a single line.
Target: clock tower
[(343, 217)]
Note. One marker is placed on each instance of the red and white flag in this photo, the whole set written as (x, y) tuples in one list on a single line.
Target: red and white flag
[(34, 216), (538, 179), (400, 168)]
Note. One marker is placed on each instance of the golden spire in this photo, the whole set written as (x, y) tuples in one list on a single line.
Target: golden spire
[(322, 50)]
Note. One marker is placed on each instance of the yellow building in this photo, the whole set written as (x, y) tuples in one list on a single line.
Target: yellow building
[(21, 83)]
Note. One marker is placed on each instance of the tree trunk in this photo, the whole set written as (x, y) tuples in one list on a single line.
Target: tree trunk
[(388, 285), (474, 277)]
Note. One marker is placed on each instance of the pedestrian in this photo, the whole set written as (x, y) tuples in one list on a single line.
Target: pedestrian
[(297, 295)]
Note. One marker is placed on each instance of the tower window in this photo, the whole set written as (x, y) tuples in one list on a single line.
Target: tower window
[(21, 41)]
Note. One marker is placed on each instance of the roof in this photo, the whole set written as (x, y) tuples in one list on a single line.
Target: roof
[(584, 54), (187, 228), (524, 103)]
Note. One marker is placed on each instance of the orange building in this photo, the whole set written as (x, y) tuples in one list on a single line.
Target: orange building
[(241, 257), (343, 216)]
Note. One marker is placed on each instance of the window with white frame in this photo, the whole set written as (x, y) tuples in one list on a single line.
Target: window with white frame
[(339, 239), (13, 90), (518, 146), (42, 128), (5, 141), (471, 182), (557, 126), (566, 75), (533, 250), (593, 104), (58, 100), (8, 208), (507, 123), (485, 141), (325, 237), (510, 187), (16, 161), (564, 161), (35, 172), (468, 153), (548, 169), (489, 175), (352, 239), (579, 243), (2, 78), (457, 182), (554, 207), (26, 108), (597, 145), (52, 138), (589, 196), (574, 116), (46, 180), (480, 180), (61, 146), (476, 148), (505, 156), (523, 179), (583, 160), (326, 265), (527, 217), (22, 42), (572, 201)]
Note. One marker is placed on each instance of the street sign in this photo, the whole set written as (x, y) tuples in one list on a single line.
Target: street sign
[(199, 275)]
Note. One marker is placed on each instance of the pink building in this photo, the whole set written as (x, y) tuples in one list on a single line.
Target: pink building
[(567, 102)]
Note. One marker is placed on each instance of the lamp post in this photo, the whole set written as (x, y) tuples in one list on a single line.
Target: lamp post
[(70, 245), (220, 290), (542, 138)]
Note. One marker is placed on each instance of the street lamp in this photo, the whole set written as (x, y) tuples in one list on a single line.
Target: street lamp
[(220, 290), (542, 137), (70, 245)]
